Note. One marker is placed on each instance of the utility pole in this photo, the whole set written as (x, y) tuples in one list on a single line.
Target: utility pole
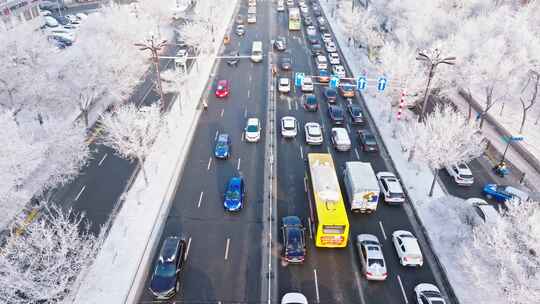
[(154, 47), (433, 61)]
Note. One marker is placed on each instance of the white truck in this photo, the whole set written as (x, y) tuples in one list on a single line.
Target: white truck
[(361, 186)]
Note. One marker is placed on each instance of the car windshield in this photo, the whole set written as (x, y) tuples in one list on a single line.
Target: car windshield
[(314, 131), (372, 262), (294, 244), (252, 128), (165, 270), (347, 87), (337, 113), (233, 194), (331, 93), (220, 87), (288, 125), (370, 139), (311, 100), (396, 195)]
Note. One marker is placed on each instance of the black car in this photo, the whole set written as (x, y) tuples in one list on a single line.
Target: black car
[(307, 21), (165, 280), (294, 245), (323, 28), (313, 39), (336, 114), (310, 102), (62, 20), (355, 111), (59, 41), (316, 49), (233, 58), (285, 62), (280, 43), (367, 141), (330, 94)]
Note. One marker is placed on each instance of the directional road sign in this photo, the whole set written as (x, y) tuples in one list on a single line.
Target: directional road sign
[(361, 83), (298, 78), (381, 83), (334, 82)]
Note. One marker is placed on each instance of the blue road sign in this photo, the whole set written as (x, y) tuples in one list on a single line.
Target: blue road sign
[(517, 138), (361, 83), (381, 84), (334, 82), (298, 78)]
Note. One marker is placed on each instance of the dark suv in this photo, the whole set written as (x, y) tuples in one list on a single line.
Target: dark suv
[(294, 245), (336, 114), (165, 280)]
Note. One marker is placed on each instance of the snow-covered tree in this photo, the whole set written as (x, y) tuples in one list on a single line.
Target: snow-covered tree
[(529, 96), (444, 138), (131, 132), (175, 82), (197, 34), (40, 264), (508, 253)]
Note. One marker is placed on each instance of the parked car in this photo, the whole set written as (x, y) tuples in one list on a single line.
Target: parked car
[(294, 244), (234, 194), (280, 43), (310, 102), (222, 89), (239, 19), (81, 16), (330, 95), (336, 114), (461, 174), (340, 139), (367, 141), (165, 281), (289, 127), (502, 193), (223, 146), (240, 30), (307, 84), (483, 212), (62, 20), (391, 188), (428, 294), (324, 76), (313, 133), (59, 41), (50, 21), (407, 248), (371, 257), (355, 112), (294, 297), (284, 85), (253, 130)]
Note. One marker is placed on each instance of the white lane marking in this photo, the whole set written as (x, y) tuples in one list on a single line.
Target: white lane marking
[(187, 249), (245, 112), (305, 184), (348, 128), (249, 77), (80, 192), (243, 135), (382, 230), (200, 200), (301, 152), (402, 289), (249, 93), (309, 227), (296, 105), (222, 111), (238, 166), (102, 159), (289, 103), (209, 164), (227, 248), (356, 152), (217, 133), (316, 285), (328, 149)]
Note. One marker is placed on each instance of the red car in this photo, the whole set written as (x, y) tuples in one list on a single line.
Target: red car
[(222, 89)]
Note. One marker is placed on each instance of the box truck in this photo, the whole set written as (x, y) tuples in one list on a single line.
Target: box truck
[(361, 186)]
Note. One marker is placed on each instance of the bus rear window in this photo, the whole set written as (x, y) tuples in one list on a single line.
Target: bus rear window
[(333, 229)]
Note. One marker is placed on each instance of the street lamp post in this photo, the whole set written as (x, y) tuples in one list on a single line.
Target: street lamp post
[(433, 62), (154, 47)]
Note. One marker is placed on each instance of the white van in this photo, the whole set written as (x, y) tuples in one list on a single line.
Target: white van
[(256, 51), (340, 139), (322, 63), (252, 10)]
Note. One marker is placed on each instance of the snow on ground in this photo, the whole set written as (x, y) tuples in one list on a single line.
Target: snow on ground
[(442, 223), (120, 268)]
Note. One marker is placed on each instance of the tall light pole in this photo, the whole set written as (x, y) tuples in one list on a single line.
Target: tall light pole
[(432, 62), (154, 47)]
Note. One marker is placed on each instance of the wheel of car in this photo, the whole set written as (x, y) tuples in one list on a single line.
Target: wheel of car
[(489, 196)]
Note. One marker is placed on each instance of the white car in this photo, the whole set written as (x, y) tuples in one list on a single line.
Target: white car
[(307, 84), (64, 33), (50, 21), (407, 248), (304, 9), (252, 18), (340, 139), (330, 47), (288, 127), (390, 187), (326, 37), (461, 174), (253, 130), (294, 298), (333, 58), (428, 294), (311, 30), (313, 133), (371, 257), (284, 85), (181, 57), (484, 213), (280, 7), (339, 71)]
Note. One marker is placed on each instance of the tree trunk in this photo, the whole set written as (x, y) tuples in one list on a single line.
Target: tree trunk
[(523, 118), (411, 153), (470, 112), (502, 109), (141, 162), (435, 176)]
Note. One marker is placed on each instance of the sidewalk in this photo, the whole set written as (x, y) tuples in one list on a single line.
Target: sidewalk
[(120, 269)]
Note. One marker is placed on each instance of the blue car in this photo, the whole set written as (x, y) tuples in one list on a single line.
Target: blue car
[(502, 193), (234, 194), (294, 245), (223, 147), (165, 280)]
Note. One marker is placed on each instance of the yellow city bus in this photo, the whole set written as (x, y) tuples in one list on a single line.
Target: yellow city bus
[(327, 208), (294, 19)]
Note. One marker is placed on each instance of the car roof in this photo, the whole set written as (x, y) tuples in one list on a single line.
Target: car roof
[(235, 182), (292, 220), (253, 121), (409, 240), (169, 248), (284, 80), (223, 136)]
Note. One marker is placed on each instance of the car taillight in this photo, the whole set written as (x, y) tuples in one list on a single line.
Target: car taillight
[(368, 274), (406, 259)]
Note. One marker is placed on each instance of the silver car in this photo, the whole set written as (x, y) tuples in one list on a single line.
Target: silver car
[(371, 257)]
